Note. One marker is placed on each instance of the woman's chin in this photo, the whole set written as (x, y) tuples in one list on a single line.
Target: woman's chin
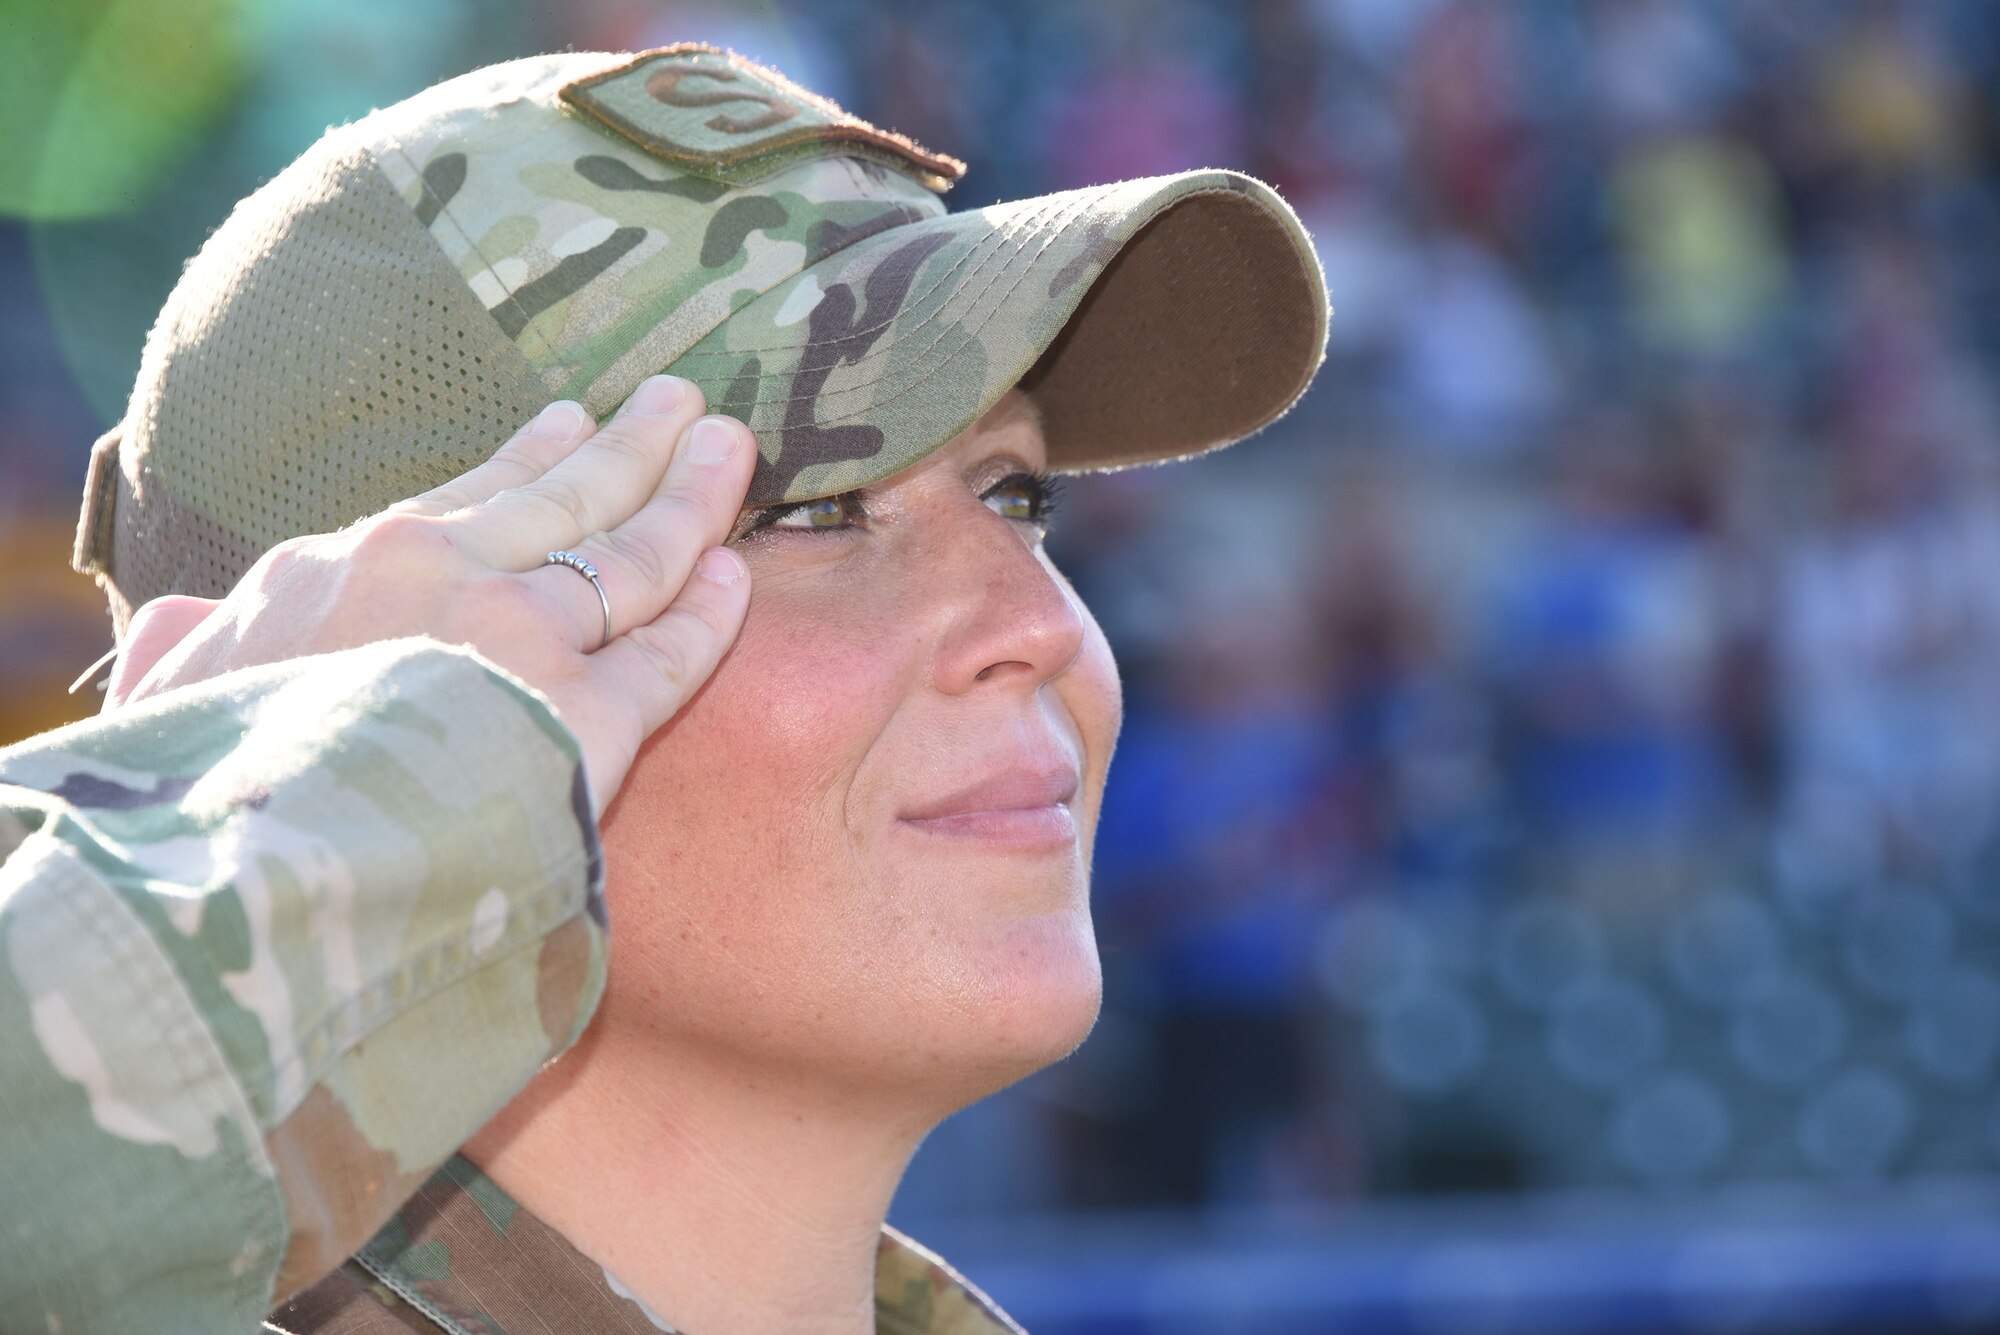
[(969, 1020), (1038, 1000)]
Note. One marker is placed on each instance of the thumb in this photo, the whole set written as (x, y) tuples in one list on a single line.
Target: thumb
[(156, 628)]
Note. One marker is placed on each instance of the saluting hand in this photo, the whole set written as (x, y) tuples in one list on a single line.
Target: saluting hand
[(647, 500)]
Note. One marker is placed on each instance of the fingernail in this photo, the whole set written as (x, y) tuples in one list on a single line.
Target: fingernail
[(657, 395), (719, 565), (713, 441), (559, 421)]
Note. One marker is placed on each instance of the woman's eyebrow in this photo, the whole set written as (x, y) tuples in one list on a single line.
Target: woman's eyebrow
[(1013, 463)]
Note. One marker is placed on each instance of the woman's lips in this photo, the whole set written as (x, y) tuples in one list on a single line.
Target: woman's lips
[(1022, 806), (1028, 829)]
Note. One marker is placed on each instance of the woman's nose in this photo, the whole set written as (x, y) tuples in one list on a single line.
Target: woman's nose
[(1004, 615)]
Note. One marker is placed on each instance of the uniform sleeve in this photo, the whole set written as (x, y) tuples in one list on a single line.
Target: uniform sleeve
[(271, 948)]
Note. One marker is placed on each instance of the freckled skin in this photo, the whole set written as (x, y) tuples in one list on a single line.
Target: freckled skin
[(765, 907)]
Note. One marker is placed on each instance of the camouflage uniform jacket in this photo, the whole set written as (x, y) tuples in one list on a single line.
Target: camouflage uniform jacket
[(271, 948)]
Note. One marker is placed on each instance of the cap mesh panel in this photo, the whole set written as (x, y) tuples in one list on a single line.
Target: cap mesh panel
[(319, 360)]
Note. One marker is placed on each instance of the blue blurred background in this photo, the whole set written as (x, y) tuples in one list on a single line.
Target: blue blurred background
[(1550, 878)]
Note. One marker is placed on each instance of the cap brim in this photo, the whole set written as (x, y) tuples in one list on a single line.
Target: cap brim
[(1178, 314)]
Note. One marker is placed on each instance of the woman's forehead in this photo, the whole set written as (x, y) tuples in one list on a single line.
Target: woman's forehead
[(1016, 419)]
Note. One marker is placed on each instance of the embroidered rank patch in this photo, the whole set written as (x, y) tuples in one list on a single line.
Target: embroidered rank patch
[(716, 114)]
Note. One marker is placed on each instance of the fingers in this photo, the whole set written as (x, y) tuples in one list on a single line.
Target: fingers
[(156, 628), (657, 667), (531, 452), (644, 562), (597, 487)]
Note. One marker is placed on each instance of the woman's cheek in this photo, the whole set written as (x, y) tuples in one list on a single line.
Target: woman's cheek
[(813, 684)]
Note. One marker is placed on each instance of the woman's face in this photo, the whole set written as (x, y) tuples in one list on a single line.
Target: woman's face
[(786, 878)]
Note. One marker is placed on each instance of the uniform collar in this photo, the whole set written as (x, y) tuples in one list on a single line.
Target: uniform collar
[(472, 1259)]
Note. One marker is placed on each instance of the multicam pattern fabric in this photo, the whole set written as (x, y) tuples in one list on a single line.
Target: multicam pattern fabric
[(270, 948), (464, 1258)]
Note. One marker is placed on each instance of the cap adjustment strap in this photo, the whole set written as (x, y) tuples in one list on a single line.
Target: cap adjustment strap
[(100, 494)]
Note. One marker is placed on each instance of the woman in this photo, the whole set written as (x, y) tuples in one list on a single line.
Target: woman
[(850, 876)]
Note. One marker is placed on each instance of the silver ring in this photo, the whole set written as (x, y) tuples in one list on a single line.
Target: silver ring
[(589, 572)]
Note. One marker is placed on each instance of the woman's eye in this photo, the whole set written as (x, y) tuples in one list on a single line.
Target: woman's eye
[(826, 512), (1029, 497), (1014, 502)]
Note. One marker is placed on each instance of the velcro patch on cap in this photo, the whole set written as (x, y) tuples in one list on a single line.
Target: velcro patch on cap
[(716, 114)]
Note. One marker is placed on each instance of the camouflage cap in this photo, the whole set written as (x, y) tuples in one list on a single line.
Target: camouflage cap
[(387, 310)]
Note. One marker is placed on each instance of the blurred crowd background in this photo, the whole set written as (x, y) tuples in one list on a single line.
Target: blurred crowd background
[(1551, 874)]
